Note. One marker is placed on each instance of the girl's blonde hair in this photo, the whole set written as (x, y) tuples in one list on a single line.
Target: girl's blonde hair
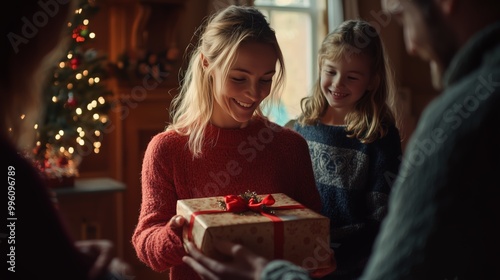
[(225, 31), (377, 108)]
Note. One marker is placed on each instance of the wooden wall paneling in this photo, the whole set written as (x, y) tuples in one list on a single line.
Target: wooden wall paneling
[(412, 73), (142, 118)]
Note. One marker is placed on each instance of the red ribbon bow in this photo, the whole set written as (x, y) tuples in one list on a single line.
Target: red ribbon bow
[(236, 203)]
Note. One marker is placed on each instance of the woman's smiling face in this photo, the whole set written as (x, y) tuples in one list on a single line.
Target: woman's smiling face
[(248, 82)]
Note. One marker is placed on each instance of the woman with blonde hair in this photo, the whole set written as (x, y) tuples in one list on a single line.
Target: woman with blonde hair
[(219, 142)]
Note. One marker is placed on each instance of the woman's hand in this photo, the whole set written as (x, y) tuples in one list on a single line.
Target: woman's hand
[(242, 263), (177, 222)]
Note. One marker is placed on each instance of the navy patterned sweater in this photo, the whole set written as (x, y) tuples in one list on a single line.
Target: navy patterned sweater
[(354, 181)]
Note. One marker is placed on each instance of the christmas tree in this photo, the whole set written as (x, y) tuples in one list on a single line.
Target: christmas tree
[(76, 100)]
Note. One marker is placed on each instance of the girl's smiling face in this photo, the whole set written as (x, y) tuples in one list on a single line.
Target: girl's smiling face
[(248, 82), (345, 81)]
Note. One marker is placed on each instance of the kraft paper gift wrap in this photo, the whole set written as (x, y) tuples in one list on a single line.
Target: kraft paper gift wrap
[(293, 232)]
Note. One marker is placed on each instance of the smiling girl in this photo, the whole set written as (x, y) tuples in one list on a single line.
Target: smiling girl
[(354, 143)]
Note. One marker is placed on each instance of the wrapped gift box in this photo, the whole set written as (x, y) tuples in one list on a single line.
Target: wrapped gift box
[(291, 231)]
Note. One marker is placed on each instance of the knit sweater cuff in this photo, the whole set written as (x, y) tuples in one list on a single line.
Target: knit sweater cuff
[(283, 270)]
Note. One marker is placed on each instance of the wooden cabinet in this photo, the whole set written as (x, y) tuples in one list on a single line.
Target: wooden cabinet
[(92, 209)]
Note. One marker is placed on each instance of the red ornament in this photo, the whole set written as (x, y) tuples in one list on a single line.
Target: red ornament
[(71, 103), (75, 62), (79, 32), (62, 161), (36, 150)]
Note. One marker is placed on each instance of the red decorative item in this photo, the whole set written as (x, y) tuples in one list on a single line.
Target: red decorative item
[(75, 62), (59, 169), (71, 103), (78, 32), (62, 161), (237, 203)]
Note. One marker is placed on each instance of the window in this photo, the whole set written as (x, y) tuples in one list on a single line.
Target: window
[(300, 27)]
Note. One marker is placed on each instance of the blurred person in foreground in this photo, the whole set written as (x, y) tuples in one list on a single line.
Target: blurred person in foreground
[(443, 209)]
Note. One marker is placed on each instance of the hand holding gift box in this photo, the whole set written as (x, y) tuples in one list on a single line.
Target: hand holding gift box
[(273, 226)]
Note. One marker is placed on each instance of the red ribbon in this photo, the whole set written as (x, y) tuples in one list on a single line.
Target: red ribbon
[(236, 204)]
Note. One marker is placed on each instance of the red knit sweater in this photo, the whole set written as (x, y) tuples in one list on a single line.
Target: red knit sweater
[(260, 158)]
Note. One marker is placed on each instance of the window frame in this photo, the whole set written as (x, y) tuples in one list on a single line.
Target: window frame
[(324, 16), (312, 12)]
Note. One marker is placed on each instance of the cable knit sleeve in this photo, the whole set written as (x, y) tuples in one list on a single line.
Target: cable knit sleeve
[(156, 243), (385, 158), (301, 172)]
